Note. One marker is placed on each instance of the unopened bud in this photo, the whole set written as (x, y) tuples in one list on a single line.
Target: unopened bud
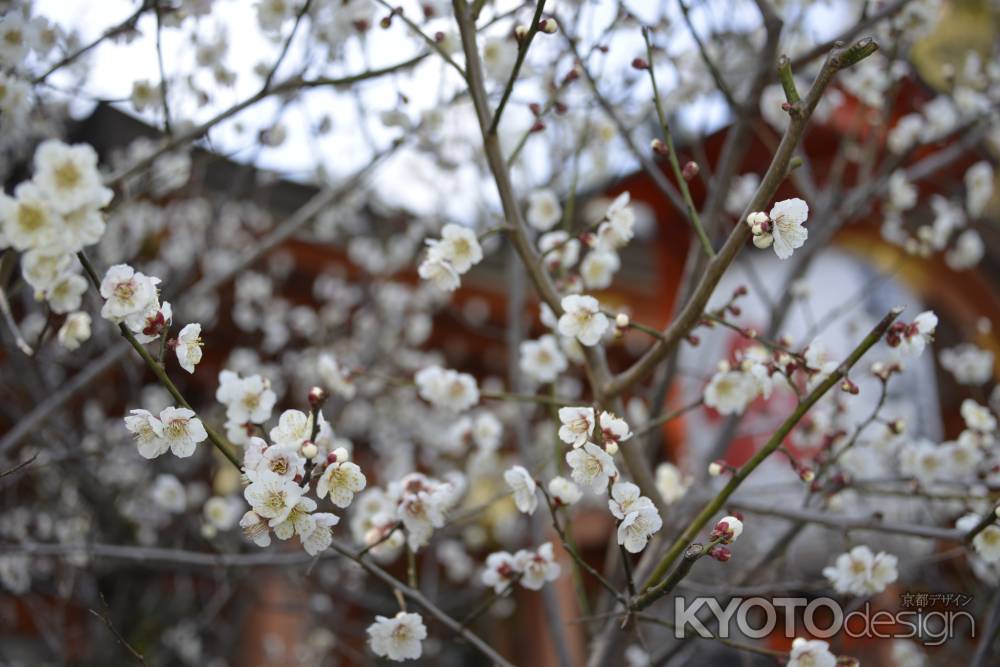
[(714, 469), (806, 474), (340, 454), (658, 146), (727, 530), (520, 32), (548, 26), (640, 63), (849, 387), (720, 553), (690, 170), (622, 321), (317, 396), (309, 450), (538, 126), (611, 447)]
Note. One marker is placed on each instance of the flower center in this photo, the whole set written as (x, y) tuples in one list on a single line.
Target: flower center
[(67, 176)]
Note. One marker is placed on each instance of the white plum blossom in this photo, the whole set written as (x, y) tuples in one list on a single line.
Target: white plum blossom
[(282, 460), (334, 377), (968, 250), (523, 487), (293, 429), (614, 429), (272, 496), (439, 273), (786, 226), (544, 210), (446, 388), (28, 220), (536, 567), (577, 425), (637, 515), (978, 417), (671, 483), (636, 528), (923, 460), (68, 176), (458, 246), (420, 503), (582, 319), (625, 498), (127, 292), (598, 268), (978, 187), (182, 430), (168, 493), (730, 391), (398, 638), (75, 330), (913, 338), (811, 653), (987, 543), (500, 571), (256, 529), (559, 250), (147, 431), (862, 572), (222, 512), (619, 225), (247, 400), (189, 346), (563, 491), (542, 359), (341, 479), (592, 467), (320, 537)]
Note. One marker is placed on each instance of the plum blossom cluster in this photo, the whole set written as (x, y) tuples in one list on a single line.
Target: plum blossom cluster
[(449, 257), (407, 511), (782, 228), (733, 387), (280, 476), (638, 518), (950, 230), (579, 425), (50, 218), (561, 252), (530, 569), (132, 299), (176, 430)]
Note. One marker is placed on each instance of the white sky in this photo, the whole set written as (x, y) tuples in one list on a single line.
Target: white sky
[(115, 66)]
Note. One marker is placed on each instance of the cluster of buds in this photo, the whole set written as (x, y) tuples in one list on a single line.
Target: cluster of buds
[(727, 530), (760, 227)]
